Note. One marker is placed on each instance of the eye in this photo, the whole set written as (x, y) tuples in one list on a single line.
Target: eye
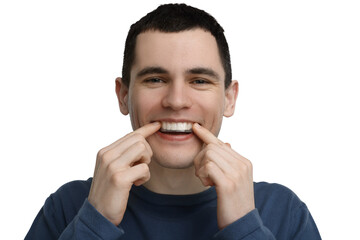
[(200, 81), (153, 80)]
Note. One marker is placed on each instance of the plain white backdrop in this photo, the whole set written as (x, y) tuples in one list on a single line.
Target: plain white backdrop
[(297, 116)]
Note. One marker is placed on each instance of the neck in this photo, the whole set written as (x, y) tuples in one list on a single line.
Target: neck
[(173, 181)]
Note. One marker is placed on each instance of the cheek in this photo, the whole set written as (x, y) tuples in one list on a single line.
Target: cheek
[(212, 109), (141, 108)]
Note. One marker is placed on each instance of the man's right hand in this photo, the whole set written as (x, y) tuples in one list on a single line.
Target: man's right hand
[(118, 167)]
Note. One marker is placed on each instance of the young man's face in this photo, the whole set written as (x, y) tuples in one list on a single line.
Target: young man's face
[(177, 78)]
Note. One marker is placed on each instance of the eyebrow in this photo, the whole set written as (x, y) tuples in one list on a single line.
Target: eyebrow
[(151, 70), (204, 71), (197, 70)]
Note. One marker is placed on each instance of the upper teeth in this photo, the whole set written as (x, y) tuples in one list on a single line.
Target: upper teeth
[(176, 126)]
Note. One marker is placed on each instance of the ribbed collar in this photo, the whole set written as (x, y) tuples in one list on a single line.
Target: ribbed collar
[(173, 200)]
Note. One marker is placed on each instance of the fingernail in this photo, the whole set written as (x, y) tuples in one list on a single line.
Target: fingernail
[(196, 125)]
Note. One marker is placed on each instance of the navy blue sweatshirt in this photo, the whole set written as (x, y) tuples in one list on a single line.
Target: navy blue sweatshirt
[(67, 214)]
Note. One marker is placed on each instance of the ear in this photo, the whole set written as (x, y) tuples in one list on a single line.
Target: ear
[(231, 94), (122, 93)]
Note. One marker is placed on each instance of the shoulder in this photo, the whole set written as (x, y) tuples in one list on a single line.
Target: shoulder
[(268, 188), (274, 194), (68, 199), (77, 187), (73, 191), (283, 212)]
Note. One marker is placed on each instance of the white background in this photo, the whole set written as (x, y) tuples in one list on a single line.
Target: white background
[(297, 117)]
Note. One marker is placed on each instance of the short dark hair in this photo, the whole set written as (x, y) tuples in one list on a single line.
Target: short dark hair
[(176, 18)]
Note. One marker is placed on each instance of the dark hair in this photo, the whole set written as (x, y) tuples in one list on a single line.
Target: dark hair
[(176, 18)]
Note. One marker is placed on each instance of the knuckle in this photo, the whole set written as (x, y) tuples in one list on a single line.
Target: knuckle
[(144, 168), (146, 159), (247, 166), (106, 158), (150, 152), (140, 146), (137, 136), (209, 153), (112, 167), (197, 162), (250, 165), (209, 166), (117, 179), (101, 153)]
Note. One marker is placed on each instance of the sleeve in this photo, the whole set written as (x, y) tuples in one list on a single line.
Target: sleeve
[(249, 227), (303, 226), (88, 223)]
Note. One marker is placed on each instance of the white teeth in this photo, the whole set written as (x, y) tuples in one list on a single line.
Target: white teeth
[(176, 126)]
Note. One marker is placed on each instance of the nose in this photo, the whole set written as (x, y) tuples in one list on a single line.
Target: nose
[(177, 96)]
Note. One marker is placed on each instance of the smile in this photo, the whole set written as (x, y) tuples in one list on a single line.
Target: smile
[(176, 127)]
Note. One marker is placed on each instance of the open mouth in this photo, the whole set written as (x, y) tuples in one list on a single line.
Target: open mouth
[(176, 128)]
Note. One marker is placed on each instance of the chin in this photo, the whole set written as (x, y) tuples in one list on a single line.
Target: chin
[(174, 161), (174, 154)]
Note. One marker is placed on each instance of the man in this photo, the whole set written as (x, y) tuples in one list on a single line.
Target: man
[(172, 178)]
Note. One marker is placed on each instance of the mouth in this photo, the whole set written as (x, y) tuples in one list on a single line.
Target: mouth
[(176, 128)]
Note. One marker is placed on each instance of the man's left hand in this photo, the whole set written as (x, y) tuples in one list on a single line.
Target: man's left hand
[(231, 174)]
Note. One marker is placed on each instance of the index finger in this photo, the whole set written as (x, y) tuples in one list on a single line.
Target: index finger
[(205, 135), (148, 129)]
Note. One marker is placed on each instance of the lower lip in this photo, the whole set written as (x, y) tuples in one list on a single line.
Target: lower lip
[(173, 137)]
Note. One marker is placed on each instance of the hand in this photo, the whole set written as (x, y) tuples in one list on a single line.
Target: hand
[(118, 167), (231, 174)]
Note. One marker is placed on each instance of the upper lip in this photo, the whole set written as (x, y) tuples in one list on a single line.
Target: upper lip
[(174, 120)]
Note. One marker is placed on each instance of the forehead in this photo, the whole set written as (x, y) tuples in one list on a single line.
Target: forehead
[(178, 51)]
